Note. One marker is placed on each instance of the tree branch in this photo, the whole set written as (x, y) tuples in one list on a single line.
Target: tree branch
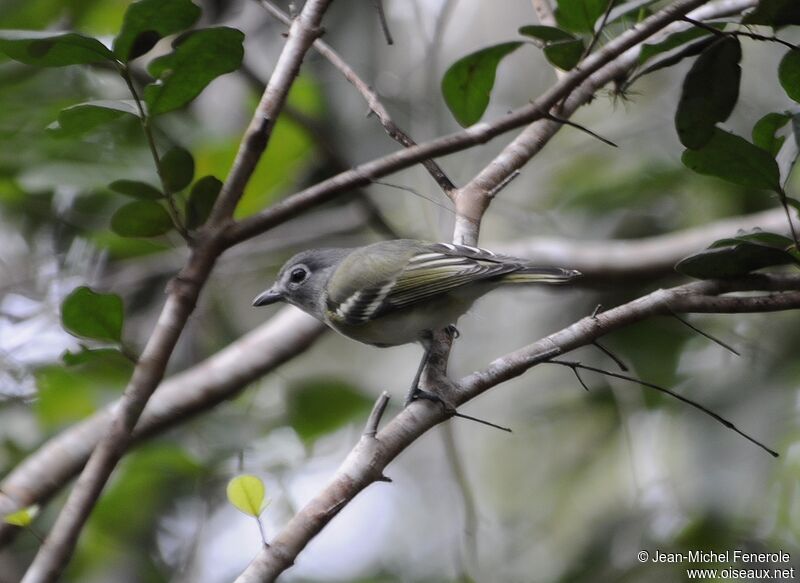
[(474, 135), (183, 291), (637, 258), (367, 461), (371, 97)]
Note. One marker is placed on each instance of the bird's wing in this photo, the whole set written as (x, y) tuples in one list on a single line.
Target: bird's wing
[(430, 270)]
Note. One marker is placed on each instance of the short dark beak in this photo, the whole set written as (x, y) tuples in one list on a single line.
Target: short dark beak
[(268, 297)]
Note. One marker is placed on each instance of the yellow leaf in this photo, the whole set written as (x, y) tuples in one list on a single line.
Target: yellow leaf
[(246, 493), (22, 517)]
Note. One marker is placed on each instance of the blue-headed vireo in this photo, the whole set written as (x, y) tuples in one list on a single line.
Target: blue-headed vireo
[(399, 291)]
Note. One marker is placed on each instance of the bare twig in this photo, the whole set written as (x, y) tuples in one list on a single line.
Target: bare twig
[(705, 334), (599, 30), (384, 25), (574, 365)]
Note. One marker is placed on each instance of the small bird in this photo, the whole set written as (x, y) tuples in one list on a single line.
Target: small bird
[(399, 291)]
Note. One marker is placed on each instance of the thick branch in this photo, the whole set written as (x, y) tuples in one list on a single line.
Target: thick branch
[(367, 461)]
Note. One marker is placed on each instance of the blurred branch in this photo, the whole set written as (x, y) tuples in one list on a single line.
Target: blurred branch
[(183, 292), (372, 99), (636, 258), (544, 12), (367, 461), (216, 380)]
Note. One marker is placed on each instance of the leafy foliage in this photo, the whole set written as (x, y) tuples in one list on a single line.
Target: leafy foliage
[(710, 92), (562, 49), (467, 84), (142, 218), (775, 13), (764, 132), (23, 517), (789, 74), (148, 21), (136, 189), (198, 58), (84, 117), (201, 200), (736, 160), (318, 406), (738, 256), (93, 315), (177, 169), (48, 49), (579, 15)]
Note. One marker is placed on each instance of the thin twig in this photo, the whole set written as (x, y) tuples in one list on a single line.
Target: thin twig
[(599, 30), (747, 34), (374, 419), (384, 24), (573, 365), (705, 334), (578, 126), (144, 119), (617, 360)]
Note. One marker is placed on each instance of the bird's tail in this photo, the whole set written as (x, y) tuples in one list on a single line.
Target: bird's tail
[(546, 275)]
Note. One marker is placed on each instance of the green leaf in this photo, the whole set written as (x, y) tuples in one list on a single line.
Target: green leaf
[(765, 129), (561, 48), (246, 493), (143, 218), (148, 21), (201, 200), (789, 74), (672, 57), (467, 84), (89, 314), (83, 117), (22, 517), (738, 256), (579, 15), (774, 13), (318, 406), (673, 41), (136, 189), (53, 49), (710, 92), (198, 58), (177, 167), (736, 160)]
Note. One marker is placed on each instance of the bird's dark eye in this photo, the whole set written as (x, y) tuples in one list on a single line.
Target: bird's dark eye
[(298, 275)]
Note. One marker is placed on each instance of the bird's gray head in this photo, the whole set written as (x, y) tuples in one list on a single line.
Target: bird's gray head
[(302, 280)]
